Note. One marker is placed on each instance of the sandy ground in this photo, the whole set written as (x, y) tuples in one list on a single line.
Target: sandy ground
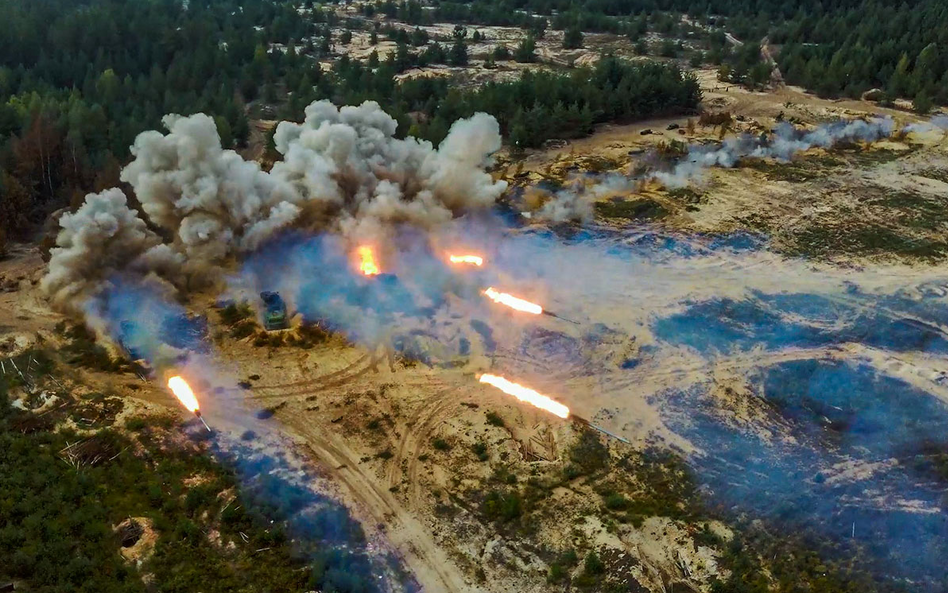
[(370, 426)]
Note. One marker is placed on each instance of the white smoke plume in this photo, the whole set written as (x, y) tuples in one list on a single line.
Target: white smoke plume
[(936, 123), (346, 163), (786, 142), (102, 238), (576, 202), (209, 198), (343, 171)]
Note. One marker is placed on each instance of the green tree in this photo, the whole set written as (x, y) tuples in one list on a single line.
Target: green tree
[(900, 81), (458, 54), (573, 38), (526, 51), (922, 104)]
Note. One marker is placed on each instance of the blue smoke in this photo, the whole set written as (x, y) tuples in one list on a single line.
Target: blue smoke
[(274, 484)]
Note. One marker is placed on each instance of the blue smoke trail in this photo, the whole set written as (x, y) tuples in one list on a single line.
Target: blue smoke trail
[(274, 482)]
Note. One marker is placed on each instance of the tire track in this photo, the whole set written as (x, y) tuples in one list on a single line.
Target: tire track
[(428, 563)]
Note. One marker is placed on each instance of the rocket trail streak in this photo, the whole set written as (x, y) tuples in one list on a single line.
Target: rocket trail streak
[(181, 390), (526, 394), (513, 302), (467, 259)]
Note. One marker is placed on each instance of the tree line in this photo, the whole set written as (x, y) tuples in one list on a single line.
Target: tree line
[(79, 79)]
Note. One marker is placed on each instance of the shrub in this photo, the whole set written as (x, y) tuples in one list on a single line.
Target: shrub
[(233, 313), (616, 502), (589, 453), (502, 506), (440, 444)]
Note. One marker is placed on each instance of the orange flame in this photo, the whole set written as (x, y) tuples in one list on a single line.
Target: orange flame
[(368, 265), (526, 394), (467, 259), (513, 302), (183, 392)]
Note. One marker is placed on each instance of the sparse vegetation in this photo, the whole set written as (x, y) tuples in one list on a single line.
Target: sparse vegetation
[(495, 420), (480, 451), (588, 452), (641, 208), (54, 528), (502, 505)]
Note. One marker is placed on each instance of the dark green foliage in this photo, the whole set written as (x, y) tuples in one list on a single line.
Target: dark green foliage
[(494, 420), (55, 520), (593, 571), (82, 350), (480, 450), (616, 502), (642, 208), (573, 38), (706, 537), (501, 505), (589, 453), (440, 444), (526, 50), (559, 568), (234, 313)]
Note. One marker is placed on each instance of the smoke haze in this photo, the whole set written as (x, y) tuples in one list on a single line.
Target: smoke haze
[(344, 171)]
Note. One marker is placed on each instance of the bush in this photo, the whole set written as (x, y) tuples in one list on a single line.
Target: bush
[(480, 450), (589, 453), (233, 313), (502, 506), (440, 444), (243, 329), (495, 420), (559, 568), (616, 502), (593, 571), (135, 423)]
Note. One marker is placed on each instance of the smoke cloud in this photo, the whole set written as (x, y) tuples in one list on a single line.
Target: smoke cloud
[(343, 171), (102, 238), (785, 142)]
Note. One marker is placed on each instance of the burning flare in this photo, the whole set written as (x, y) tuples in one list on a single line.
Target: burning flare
[(525, 394), (513, 302), (183, 392), (467, 259), (368, 265)]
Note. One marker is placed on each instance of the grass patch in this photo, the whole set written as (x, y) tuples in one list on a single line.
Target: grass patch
[(861, 238), (83, 351), (638, 209)]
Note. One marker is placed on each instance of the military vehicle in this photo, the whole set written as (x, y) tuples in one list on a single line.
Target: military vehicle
[(275, 316)]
